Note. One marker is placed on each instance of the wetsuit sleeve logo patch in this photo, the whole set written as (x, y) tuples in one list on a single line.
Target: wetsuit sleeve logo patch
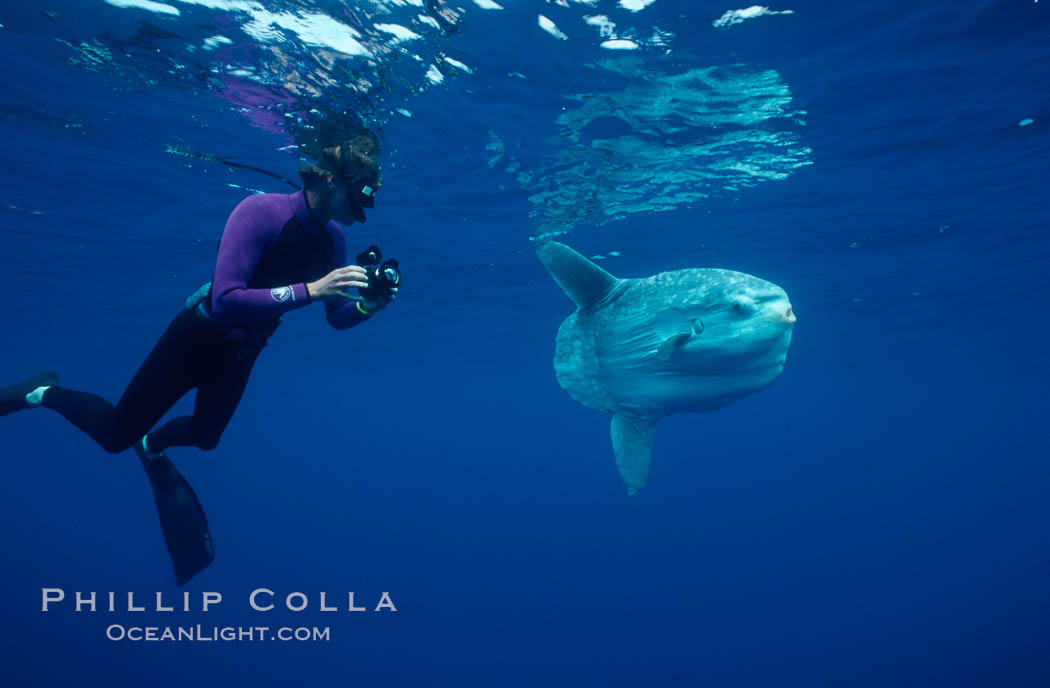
[(281, 294)]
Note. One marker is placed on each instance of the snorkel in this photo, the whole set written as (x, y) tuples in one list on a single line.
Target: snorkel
[(360, 176)]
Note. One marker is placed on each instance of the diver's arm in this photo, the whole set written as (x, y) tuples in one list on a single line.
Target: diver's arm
[(253, 227), (343, 313)]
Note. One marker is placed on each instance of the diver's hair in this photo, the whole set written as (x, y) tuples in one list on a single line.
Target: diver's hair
[(355, 156), (313, 172)]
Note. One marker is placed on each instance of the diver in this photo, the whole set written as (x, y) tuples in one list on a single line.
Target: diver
[(278, 253)]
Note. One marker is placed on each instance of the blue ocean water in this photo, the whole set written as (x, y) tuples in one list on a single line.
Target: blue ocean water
[(876, 517)]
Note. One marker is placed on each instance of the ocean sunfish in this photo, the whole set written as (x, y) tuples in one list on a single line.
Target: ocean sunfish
[(683, 341)]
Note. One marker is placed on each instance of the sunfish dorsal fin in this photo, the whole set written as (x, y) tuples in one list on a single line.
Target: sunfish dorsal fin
[(632, 439), (582, 280)]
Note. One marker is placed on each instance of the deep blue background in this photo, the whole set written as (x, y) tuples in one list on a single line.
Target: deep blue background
[(877, 517)]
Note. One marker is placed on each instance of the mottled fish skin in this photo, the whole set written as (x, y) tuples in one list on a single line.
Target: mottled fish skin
[(683, 341)]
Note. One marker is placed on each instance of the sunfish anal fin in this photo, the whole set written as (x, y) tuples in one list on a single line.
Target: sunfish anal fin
[(632, 439), (582, 280)]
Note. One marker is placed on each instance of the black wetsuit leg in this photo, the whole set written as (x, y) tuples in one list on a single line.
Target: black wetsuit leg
[(218, 394), (192, 352)]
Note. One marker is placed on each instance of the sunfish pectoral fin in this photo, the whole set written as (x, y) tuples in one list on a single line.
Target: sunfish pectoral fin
[(674, 328), (582, 280), (667, 349), (632, 439), (671, 321)]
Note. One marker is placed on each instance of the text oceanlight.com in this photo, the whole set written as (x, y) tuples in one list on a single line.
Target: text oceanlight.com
[(199, 633), (173, 604)]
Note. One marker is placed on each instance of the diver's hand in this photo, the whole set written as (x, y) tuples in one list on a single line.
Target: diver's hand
[(380, 303), (338, 283)]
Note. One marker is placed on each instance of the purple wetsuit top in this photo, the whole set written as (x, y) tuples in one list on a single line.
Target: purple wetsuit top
[(271, 247)]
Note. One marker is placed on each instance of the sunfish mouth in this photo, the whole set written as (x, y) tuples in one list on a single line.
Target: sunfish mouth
[(787, 316)]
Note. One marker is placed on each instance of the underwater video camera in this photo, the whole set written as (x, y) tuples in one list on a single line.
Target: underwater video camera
[(382, 276)]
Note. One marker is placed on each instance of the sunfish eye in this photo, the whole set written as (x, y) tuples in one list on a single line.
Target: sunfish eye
[(737, 308)]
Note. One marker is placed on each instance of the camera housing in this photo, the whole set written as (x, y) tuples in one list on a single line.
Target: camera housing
[(383, 275)]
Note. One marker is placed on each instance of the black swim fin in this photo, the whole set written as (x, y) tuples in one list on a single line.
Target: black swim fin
[(13, 398), (181, 517)]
